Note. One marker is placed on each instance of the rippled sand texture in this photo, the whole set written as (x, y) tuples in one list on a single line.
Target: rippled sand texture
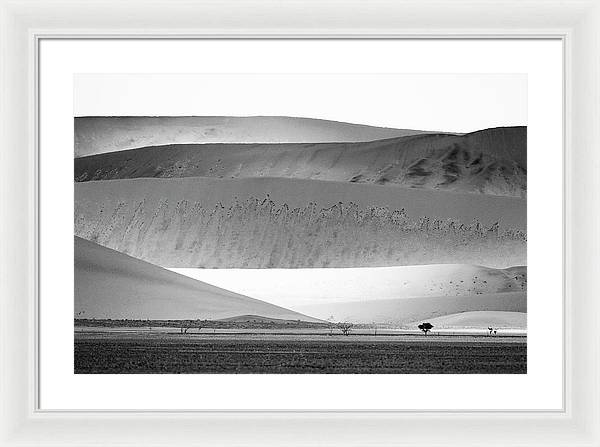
[(178, 223), (491, 161)]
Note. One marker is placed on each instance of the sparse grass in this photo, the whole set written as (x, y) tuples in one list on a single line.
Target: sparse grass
[(243, 353), (259, 323)]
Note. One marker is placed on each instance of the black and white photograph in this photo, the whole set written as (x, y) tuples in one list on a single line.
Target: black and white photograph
[(369, 226)]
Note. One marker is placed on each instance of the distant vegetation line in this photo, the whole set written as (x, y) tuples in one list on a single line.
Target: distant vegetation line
[(258, 233), (204, 324)]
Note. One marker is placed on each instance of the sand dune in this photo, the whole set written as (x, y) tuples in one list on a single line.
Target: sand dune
[(480, 319), (254, 319), (509, 212), (297, 287), (95, 135), (109, 284), (491, 161), (304, 223), (405, 311)]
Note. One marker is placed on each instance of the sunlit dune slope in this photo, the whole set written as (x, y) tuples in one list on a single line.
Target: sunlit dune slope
[(212, 223), (94, 135), (109, 284), (295, 287), (480, 319), (405, 311), (490, 161)]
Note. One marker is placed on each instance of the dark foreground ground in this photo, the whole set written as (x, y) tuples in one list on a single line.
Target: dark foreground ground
[(144, 353)]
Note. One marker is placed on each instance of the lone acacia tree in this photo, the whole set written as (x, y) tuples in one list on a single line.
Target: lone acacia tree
[(345, 327), (425, 327)]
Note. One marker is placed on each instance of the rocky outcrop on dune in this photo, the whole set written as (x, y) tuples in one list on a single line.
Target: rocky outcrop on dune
[(109, 284), (491, 161), (259, 233), (99, 134)]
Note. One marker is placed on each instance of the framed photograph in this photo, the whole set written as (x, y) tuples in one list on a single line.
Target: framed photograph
[(300, 224)]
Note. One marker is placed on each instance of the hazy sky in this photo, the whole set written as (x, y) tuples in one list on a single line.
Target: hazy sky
[(447, 102)]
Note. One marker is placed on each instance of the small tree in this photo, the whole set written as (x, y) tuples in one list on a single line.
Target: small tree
[(331, 321), (345, 327), (187, 325), (425, 327), (374, 327)]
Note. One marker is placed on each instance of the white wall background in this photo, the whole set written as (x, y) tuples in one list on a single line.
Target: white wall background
[(540, 60)]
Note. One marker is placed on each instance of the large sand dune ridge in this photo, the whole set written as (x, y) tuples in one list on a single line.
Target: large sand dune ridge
[(406, 311), (491, 161), (479, 319), (179, 223), (99, 134), (297, 287), (444, 294), (109, 284)]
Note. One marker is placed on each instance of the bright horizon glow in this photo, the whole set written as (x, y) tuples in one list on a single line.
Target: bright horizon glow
[(298, 287), (458, 103)]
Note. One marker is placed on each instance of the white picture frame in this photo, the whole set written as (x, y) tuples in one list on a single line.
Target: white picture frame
[(24, 23)]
